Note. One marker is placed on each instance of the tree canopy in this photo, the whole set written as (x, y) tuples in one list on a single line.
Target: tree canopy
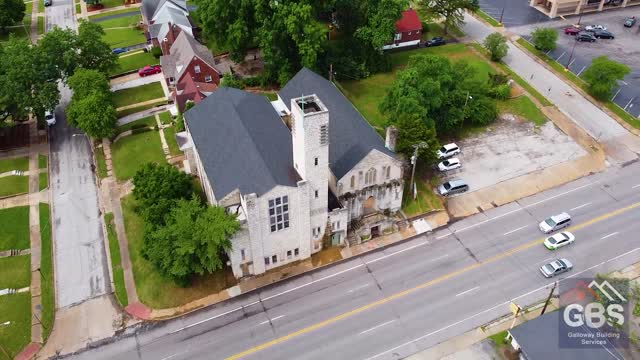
[(602, 76), (452, 11), (191, 242), (544, 39), (496, 45), (91, 107), (11, 13)]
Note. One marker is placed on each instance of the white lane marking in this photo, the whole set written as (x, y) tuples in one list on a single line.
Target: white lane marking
[(439, 257), (358, 288), (610, 235), (274, 319), (377, 326), (361, 265), (398, 252), (580, 206), (493, 308), (635, 186), (514, 230), (468, 291), (443, 236), (547, 259)]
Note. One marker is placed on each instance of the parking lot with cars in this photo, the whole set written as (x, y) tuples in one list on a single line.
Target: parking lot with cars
[(507, 149)]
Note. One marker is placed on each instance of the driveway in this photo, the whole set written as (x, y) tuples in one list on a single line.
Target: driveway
[(509, 149), (134, 80), (623, 49)]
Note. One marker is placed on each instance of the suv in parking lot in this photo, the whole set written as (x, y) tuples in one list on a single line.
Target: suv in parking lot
[(629, 22), (585, 36), (603, 34), (448, 151), (453, 187)]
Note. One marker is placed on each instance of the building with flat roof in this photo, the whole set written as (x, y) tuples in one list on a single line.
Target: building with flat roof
[(555, 8)]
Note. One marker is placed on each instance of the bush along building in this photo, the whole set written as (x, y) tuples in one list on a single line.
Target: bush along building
[(301, 173)]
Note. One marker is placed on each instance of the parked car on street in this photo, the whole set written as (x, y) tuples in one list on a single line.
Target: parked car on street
[(603, 34), (453, 187), (585, 36), (150, 70), (559, 240), (50, 118), (436, 41), (572, 30), (556, 267), (118, 51), (448, 151), (630, 21), (48, 2), (595, 27), (449, 164)]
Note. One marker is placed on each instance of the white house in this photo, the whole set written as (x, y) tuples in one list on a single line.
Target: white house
[(296, 177)]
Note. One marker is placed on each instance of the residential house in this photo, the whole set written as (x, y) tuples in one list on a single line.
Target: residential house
[(189, 90), (295, 171), (555, 8), (408, 31), (164, 20)]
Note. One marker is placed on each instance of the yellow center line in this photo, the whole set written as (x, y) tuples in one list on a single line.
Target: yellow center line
[(421, 286)]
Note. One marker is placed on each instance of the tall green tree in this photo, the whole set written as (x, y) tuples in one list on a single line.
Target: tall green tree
[(85, 81), (91, 107), (57, 54), (192, 241), (94, 53), (11, 13), (545, 38), (496, 45), (452, 11), (602, 77), (413, 130)]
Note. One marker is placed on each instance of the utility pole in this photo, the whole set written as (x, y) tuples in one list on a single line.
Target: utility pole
[(331, 72), (414, 162), (546, 303)]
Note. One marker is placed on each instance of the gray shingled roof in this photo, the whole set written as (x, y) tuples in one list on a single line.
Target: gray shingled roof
[(185, 48), (242, 142), (539, 340), (150, 7), (154, 30), (351, 138)]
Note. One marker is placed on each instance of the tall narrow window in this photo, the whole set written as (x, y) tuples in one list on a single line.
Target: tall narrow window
[(388, 172), (266, 260), (324, 134), (196, 69), (279, 213), (370, 177), (353, 181), (315, 161), (296, 252), (274, 259), (242, 254), (316, 194)]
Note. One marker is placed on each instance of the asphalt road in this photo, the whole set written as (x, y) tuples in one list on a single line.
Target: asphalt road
[(81, 270), (396, 301)]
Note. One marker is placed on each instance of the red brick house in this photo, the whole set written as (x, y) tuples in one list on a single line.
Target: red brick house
[(408, 31), (190, 90), (164, 20)]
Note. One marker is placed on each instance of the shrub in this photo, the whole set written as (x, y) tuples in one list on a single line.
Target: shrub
[(501, 92), (496, 45), (544, 39), (156, 51)]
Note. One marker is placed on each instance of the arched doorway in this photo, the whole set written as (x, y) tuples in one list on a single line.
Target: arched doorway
[(369, 206)]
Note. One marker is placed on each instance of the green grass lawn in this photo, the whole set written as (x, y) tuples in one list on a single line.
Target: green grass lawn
[(40, 5), (116, 261), (133, 110), (110, 13), (148, 121), (78, 8), (13, 185), (16, 309), (153, 289), (19, 163), (131, 152), (134, 62), (137, 94), (15, 272), (165, 118), (101, 166), (523, 107), (27, 13), (271, 95), (112, 3), (14, 228), (367, 94), (46, 270), (19, 32), (124, 37), (170, 137), (426, 200), (499, 339), (43, 161), (131, 20), (43, 181), (486, 17), (40, 25)]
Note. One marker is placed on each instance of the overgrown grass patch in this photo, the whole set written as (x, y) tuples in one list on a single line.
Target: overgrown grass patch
[(523, 107), (15, 272), (499, 339), (101, 166), (46, 270), (170, 137), (16, 309), (426, 199), (13, 185), (165, 118), (18, 32), (14, 228), (19, 163), (137, 94), (116, 261), (131, 152), (153, 289)]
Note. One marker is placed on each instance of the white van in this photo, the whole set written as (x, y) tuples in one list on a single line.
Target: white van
[(555, 222)]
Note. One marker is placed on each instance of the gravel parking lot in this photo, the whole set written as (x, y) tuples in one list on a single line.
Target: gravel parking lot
[(624, 48), (511, 148)]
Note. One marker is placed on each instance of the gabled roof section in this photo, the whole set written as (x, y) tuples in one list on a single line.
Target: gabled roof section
[(149, 8), (351, 138), (183, 51), (242, 142), (409, 21), (172, 15)]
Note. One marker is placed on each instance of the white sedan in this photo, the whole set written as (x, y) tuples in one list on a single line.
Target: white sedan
[(595, 27), (449, 164), (559, 240)]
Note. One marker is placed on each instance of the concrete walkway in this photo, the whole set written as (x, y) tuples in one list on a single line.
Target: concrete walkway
[(143, 103), (142, 114), (134, 80)]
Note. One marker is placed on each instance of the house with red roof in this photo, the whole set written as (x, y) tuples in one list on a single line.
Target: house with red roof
[(408, 31)]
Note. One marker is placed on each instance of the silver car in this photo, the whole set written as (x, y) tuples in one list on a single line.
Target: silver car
[(556, 267)]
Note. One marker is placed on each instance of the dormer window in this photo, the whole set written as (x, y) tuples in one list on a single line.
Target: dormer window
[(196, 69)]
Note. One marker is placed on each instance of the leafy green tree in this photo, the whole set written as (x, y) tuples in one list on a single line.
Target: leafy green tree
[(192, 241), (85, 82), (602, 76), (496, 45), (544, 39), (230, 80), (56, 54), (11, 12), (412, 130), (381, 17), (452, 11), (157, 188), (94, 52), (94, 114)]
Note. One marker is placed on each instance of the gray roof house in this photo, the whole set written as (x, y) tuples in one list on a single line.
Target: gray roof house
[(183, 51), (149, 8)]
